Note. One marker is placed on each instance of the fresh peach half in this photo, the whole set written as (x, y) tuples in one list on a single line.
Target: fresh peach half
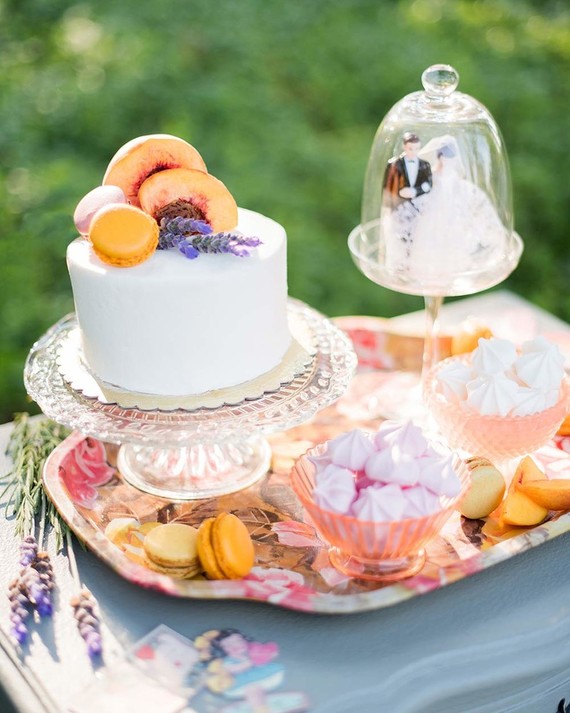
[(190, 194), (550, 494), (146, 155)]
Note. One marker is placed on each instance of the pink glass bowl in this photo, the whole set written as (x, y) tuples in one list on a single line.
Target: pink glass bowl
[(495, 437), (380, 551)]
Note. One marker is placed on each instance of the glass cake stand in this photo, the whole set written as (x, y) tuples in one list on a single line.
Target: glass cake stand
[(206, 452)]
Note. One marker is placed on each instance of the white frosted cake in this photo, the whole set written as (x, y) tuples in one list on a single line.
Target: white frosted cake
[(168, 325)]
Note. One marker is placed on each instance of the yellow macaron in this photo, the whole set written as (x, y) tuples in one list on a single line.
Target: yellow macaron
[(172, 549), (225, 548), (122, 235), (486, 490)]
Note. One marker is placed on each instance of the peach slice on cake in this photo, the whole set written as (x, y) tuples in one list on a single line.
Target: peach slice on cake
[(146, 155), (190, 194)]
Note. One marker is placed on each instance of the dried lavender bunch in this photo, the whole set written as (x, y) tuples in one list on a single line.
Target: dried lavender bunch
[(176, 229), (30, 443), (20, 609), (192, 239), (85, 612)]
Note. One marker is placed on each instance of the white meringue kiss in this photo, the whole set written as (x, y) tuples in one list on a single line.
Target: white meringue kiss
[(335, 489), (541, 369), (492, 395), (350, 450), (541, 344), (493, 355), (452, 381), (534, 400)]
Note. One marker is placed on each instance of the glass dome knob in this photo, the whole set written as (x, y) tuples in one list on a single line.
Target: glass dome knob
[(440, 80)]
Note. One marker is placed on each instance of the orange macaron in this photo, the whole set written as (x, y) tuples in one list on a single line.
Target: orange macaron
[(225, 548), (122, 235)]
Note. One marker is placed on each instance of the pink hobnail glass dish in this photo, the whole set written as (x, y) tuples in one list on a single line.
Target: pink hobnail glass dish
[(380, 551), (495, 437)]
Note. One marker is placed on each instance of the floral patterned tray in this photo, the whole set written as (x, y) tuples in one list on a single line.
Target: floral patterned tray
[(292, 566)]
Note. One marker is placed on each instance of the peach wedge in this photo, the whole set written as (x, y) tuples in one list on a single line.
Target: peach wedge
[(550, 494), (517, 508), (190, 194), (146, 155)]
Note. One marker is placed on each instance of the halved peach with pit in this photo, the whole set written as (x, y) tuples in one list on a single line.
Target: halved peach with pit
[(190, 194), (146, 155)]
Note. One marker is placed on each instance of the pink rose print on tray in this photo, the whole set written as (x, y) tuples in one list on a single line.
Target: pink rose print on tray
[(83, 470), (271, 584), (296, 534)]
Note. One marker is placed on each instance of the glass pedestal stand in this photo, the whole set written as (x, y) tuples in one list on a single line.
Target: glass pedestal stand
[(188, 455)]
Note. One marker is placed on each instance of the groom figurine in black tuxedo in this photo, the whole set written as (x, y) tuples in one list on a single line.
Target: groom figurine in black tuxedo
[(407, 176)]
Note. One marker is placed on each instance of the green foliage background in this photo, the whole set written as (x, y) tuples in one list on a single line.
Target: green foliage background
[(282, 99)]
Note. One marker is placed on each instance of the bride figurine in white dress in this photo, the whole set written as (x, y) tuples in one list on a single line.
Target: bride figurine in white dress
[(456, 228)]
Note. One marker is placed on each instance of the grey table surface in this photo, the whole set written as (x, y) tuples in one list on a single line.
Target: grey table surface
[(497, 641)]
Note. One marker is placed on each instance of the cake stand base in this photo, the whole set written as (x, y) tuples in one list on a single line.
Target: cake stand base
[(203, 470), (384, 570)]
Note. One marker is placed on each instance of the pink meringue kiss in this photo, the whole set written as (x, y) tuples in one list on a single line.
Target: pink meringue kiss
[(380, 503), (350, 450), (494, 437), (380, 551), (335, 488)]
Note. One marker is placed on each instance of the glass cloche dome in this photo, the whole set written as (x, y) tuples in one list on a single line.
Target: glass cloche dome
[(437, 214)]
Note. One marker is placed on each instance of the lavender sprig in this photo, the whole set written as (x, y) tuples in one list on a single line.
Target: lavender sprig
[(176, 229), (41, 596), (20, 608), (192, 237), (28, 550), (84, 610), (35, 590), (232, 243)]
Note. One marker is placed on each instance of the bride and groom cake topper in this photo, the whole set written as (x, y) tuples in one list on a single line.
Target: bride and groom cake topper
[(437, 222)]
